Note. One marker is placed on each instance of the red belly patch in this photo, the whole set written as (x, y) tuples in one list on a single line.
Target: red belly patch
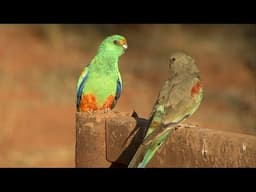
[(195, 89), (108, 102), (89, 102)]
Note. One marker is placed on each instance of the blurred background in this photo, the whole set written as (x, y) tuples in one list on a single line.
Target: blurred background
[(40, 65)]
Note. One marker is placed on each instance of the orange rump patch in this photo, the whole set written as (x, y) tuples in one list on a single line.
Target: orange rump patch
[(195, 89), (108, 102), (88, 102)]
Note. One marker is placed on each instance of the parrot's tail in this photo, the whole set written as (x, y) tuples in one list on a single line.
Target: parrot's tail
[(138, 157), (147, 150), (155, 136)]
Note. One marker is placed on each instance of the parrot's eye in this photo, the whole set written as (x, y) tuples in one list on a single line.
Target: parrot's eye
[(115, 42), (173, 59)]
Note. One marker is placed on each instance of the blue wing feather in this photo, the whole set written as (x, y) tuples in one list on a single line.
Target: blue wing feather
[(80, 90), (118, 89), (118, 92)]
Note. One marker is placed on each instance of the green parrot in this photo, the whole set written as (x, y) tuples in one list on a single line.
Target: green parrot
[(99, 85), (178, 99)]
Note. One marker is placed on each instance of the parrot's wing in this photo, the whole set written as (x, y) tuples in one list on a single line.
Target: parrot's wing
[(80, 85), (174, 104), (118, 90), (158, 109), (179, 104), (147, 149), (182, 101)]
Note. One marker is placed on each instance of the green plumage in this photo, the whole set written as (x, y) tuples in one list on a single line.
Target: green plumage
[(101, 77)]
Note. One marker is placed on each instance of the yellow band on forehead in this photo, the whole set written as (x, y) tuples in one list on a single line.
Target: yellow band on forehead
[(122, 41)]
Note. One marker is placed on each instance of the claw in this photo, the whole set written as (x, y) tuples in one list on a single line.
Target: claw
[(90, 111), (106, 110), (186, 125), (177, 127)]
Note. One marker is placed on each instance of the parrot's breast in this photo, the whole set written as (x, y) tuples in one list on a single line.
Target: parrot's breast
[(99, 92)]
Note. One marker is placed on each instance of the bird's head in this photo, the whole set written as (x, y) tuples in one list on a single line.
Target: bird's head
[(181, 63), (115, 45)]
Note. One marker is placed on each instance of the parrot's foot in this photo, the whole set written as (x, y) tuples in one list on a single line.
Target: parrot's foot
[(90, 111), (186, 125), (106, 110)]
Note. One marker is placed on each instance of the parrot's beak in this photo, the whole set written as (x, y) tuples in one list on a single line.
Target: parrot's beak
[(124, 44)]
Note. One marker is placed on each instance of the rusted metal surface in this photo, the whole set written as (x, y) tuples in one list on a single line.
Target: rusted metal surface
[(123, 137), (198, 147), (108, 140), (91, 138)]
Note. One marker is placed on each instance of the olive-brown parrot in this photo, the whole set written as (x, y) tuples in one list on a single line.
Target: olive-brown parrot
[(178, 99)]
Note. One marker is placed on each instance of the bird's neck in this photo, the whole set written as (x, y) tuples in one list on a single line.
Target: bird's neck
[(183, 75), (105, 63)]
